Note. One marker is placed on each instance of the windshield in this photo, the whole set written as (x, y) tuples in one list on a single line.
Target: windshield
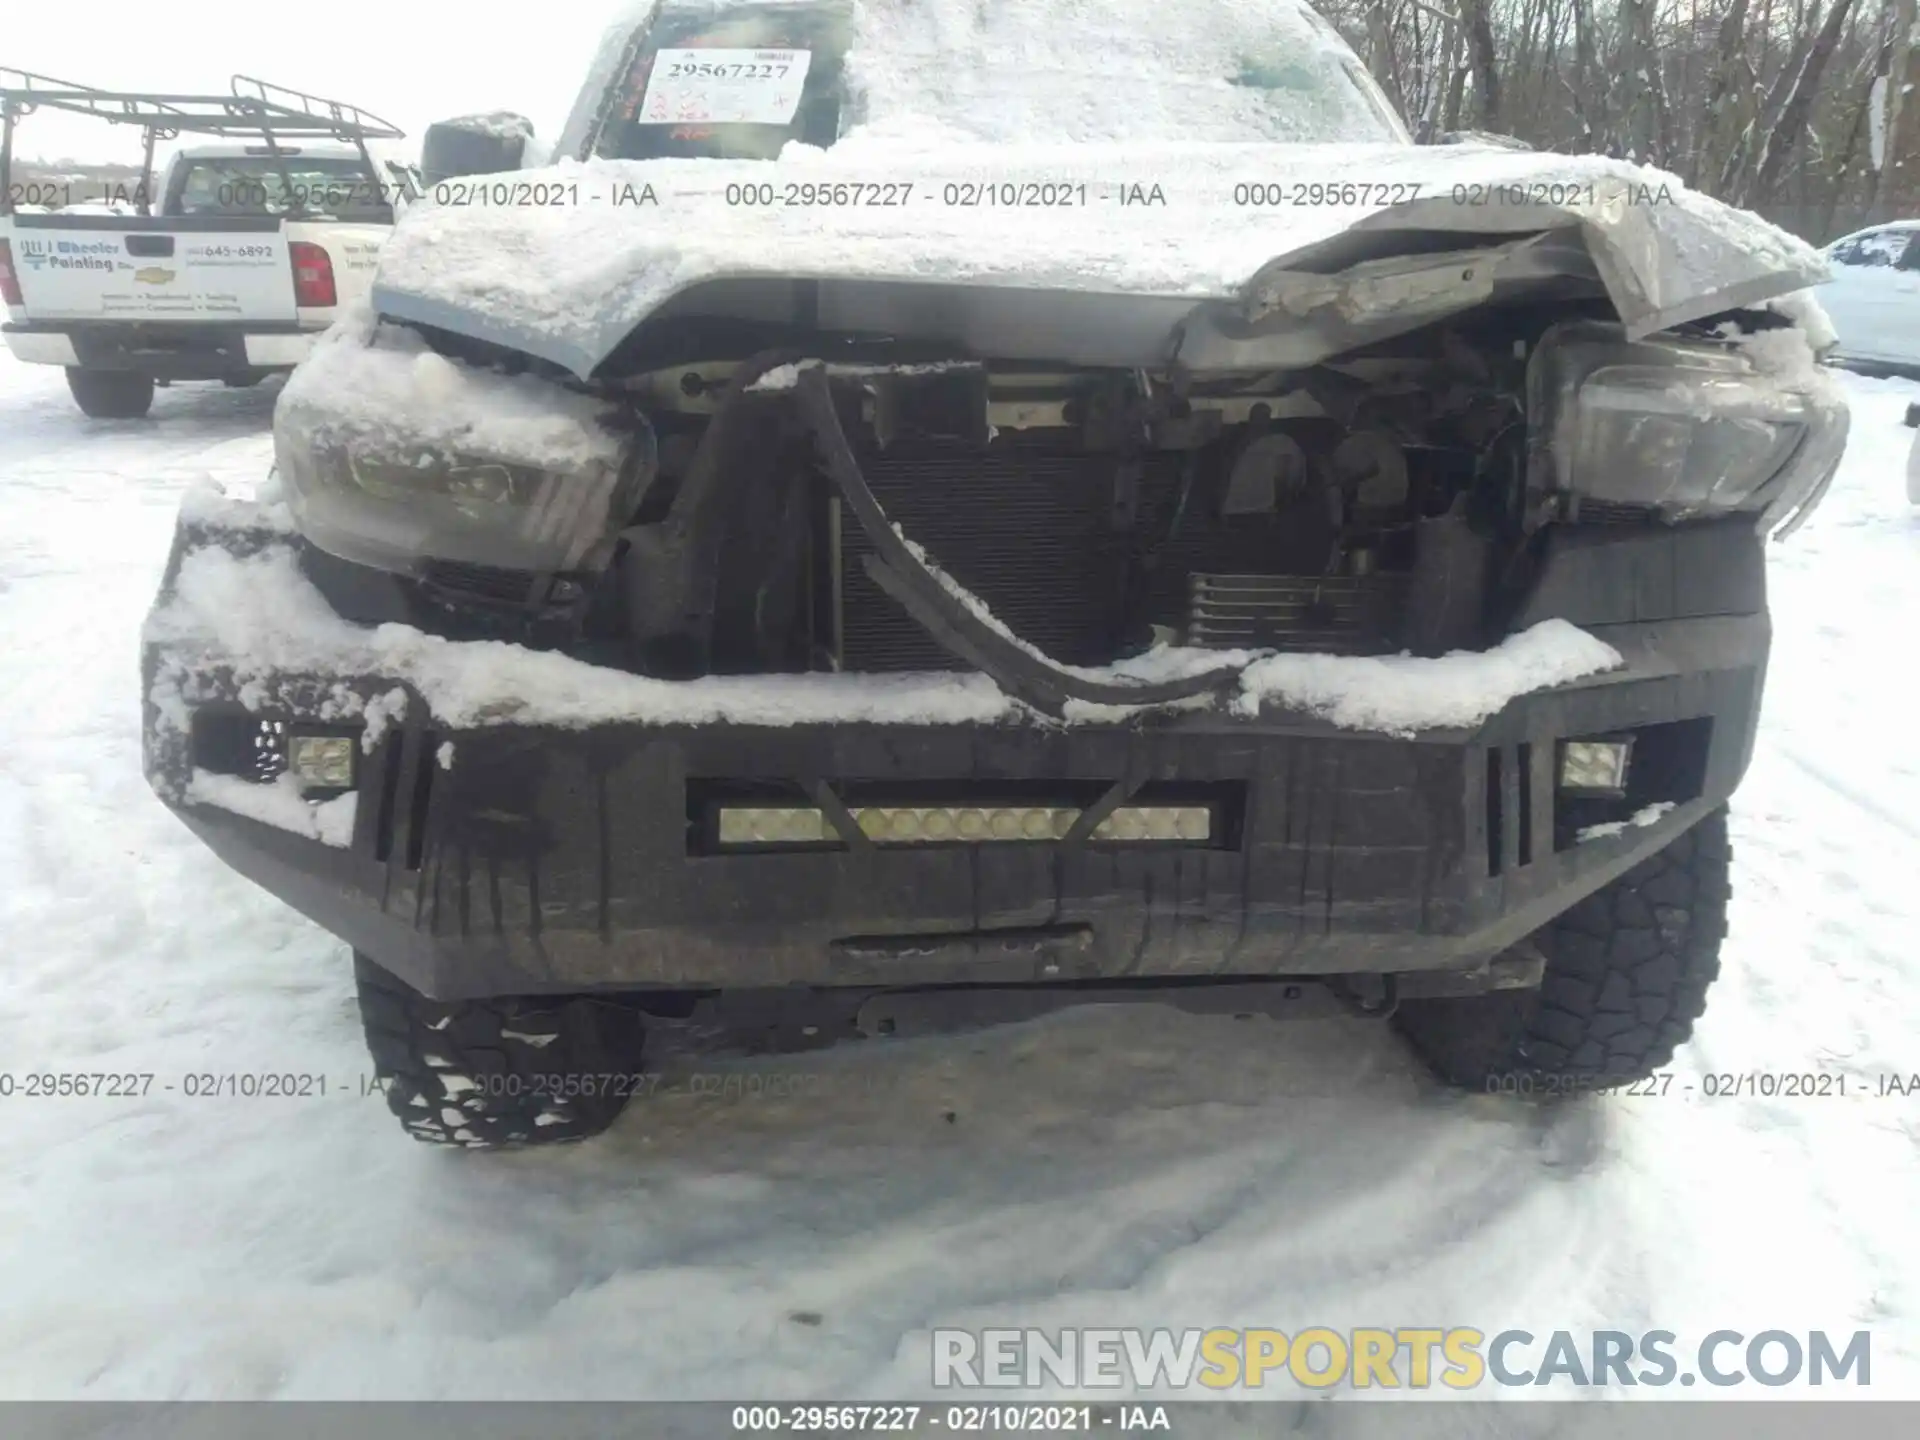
[(335, 186), (742, 79)]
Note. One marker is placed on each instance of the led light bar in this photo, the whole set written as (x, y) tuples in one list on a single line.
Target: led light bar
[(963, 824)]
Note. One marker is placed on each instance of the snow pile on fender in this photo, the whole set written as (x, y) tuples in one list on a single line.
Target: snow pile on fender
[(206, 504), (385, 382), (1803, 310)]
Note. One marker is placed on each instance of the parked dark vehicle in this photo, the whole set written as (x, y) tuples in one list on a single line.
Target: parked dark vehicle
[(720, 626)]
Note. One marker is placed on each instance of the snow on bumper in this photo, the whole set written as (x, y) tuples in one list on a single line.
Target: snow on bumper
[(253, 614), (529, 822)]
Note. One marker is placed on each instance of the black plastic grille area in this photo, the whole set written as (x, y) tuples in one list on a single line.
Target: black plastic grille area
[(480, 582), (1519, 804), (1615, 514), (1051, 543), (404, 798)]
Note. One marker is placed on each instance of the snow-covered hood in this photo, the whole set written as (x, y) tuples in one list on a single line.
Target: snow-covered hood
[(582, 253)]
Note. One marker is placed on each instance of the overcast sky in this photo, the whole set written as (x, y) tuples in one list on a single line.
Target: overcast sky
[(408, 61)]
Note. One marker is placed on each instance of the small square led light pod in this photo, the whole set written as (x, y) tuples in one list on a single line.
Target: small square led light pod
[(321, 762), (1595, 767)]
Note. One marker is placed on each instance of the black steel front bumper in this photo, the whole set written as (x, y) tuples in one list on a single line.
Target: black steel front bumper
[(545, 859)]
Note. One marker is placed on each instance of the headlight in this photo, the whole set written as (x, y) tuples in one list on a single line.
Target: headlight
[(476, 488), (371, 501), (1683, 428)]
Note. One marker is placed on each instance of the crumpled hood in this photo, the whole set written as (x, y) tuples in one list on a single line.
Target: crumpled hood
[(582, 253)]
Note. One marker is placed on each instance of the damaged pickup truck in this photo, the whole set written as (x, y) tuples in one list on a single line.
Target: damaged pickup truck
[(924, 514)]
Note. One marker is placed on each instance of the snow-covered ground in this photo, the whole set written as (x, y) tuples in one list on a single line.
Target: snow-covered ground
[(1102, 1169)]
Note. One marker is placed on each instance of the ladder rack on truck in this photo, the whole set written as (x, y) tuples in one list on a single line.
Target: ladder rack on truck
[(253, 108)]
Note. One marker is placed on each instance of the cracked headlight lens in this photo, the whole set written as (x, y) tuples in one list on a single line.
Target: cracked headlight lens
[(1685, 428), (365, 494)]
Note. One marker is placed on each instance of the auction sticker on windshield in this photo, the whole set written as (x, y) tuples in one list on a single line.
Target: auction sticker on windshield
[(725, 87)]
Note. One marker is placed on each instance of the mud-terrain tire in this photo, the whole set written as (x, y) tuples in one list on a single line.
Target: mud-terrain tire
[(111, 394), (1627, 975), (498, 1073)]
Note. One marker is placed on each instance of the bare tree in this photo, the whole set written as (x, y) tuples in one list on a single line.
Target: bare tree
[(1735, 173), (1792, 121), (1759, 102), (1731, 40), (1380, 56), (1589, 78), (1831, 201), (1484, 62), (1901, 49), (1647, 132), (1455, 72)]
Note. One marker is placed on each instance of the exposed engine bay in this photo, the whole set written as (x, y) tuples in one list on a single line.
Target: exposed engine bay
[(1098, 513), (835, 505)]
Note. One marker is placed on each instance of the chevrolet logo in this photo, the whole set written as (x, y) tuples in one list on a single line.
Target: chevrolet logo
[(154, 275)]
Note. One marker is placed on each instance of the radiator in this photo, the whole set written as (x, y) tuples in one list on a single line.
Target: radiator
[(1045, 537)]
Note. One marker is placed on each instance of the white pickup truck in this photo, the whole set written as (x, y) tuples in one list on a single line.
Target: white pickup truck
[(238, 258)]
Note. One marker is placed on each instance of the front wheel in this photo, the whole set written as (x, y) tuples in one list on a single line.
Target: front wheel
[(1627, 974), (111, 394), (498, 1073)]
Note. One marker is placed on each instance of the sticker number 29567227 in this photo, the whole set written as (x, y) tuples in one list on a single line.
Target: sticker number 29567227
[(725, 87)]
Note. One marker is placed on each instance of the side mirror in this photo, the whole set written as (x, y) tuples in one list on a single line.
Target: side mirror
[(1477, 137), (474, 145)]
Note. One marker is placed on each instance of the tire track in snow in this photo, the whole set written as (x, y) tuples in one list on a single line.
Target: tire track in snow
[(1848, 792)]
